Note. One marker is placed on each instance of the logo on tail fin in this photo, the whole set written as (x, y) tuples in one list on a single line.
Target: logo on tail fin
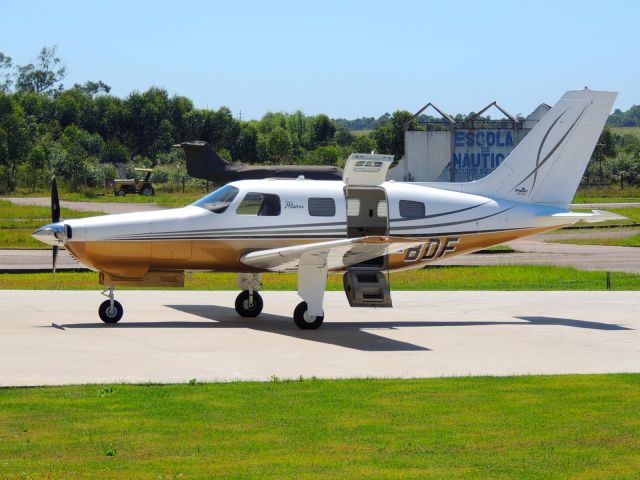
[(540, 163)]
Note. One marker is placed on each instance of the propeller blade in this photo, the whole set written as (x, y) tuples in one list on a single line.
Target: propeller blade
[(55, 257), (55, 201)]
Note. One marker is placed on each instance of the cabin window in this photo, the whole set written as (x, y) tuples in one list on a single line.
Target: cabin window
[(218, 200), (322, 207), (411, 209), (383, 209), (259, 204), (353, 207)]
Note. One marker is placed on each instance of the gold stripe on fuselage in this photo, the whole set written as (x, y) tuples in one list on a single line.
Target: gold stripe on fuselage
[(132, 259)]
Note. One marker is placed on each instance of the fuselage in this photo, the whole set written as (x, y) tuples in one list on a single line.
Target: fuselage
[(215, 232)]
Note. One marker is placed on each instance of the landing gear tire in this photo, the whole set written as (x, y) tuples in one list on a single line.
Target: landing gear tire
[(109, 314), (245, 307), (305, 321)]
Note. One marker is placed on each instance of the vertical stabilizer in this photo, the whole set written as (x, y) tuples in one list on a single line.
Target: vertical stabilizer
[(547, 165)]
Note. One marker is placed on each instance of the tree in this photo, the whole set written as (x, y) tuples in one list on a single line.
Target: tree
[(93, 88), (114, 152), (246, 147), (363, 144), (344, 137), (36, 162), (5, 64), (280, 145), (14, 142), (605, 148), (323, 130), (389, 135), (43, 77)]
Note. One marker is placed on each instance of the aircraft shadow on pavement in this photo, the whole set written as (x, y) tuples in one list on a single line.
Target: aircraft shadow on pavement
[(343, 334)]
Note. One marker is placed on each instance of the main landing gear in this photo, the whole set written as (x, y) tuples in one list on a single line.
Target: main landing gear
[(111, 310), (308, 315)]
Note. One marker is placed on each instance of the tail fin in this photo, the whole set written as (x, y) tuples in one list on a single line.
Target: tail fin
[(547, 165), (202, 160)]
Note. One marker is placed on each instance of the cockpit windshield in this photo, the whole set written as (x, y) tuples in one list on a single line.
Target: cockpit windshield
[(219, 200)]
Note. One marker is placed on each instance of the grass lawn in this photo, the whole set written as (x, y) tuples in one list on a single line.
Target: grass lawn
[(633, 241), (17, 223), (566, 426), (607, 194), (434, 278), (173, 199), (625, 130)]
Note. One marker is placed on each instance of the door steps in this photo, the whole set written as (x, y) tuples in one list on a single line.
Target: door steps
[(366, 288)]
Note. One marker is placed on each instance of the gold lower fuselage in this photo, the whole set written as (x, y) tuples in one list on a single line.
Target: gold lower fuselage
[(133, 259)]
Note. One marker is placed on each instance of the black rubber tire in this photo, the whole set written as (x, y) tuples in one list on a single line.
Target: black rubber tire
[(109, 315), (302, 322), (121, 193), (147, 192), (242, 304)]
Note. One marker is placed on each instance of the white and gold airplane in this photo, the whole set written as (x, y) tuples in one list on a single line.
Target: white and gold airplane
[(362, 226)]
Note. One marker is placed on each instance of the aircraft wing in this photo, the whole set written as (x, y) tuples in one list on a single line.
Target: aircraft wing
[(335, 254)]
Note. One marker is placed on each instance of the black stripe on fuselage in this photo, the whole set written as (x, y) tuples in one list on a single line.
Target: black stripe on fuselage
[(270, 228)]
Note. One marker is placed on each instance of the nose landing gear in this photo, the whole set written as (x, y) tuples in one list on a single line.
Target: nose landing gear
[(249, 302), (111, 310)]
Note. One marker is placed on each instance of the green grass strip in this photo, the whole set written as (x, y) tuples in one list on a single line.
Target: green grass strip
[(434, 278), (448, 428)]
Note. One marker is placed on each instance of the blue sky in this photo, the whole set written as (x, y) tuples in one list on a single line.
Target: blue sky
[(342, 58)]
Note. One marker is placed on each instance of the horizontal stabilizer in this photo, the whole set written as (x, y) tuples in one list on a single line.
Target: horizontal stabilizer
[(591, 217)]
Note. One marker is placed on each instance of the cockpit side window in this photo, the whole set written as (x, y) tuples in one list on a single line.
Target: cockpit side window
[(259, 204), (219, 200)]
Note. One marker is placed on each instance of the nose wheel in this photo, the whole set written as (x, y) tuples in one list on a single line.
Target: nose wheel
[(111, 310), (249, 304)]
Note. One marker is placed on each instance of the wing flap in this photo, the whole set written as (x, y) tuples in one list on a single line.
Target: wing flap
[(334, 254)]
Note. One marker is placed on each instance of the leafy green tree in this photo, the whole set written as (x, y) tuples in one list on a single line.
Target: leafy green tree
[(193, 125), (5, 65), (113, 151), (93, 88), (389, 135), (344, 137), (179, 108), (327, 155), (363, 144), (102, 114), (246, 147), (605, 149), (77, 150), (323, 130), (36, 162), (43, 77), (280, 145), (15, 142), (272, 120)]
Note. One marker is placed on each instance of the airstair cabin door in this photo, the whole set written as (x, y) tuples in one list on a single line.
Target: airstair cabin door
[(367, 215)]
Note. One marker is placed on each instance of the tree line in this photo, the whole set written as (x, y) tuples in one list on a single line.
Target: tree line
[(81, 133)]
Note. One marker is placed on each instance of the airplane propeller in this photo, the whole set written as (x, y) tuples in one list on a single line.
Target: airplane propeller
[(55, 215)]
